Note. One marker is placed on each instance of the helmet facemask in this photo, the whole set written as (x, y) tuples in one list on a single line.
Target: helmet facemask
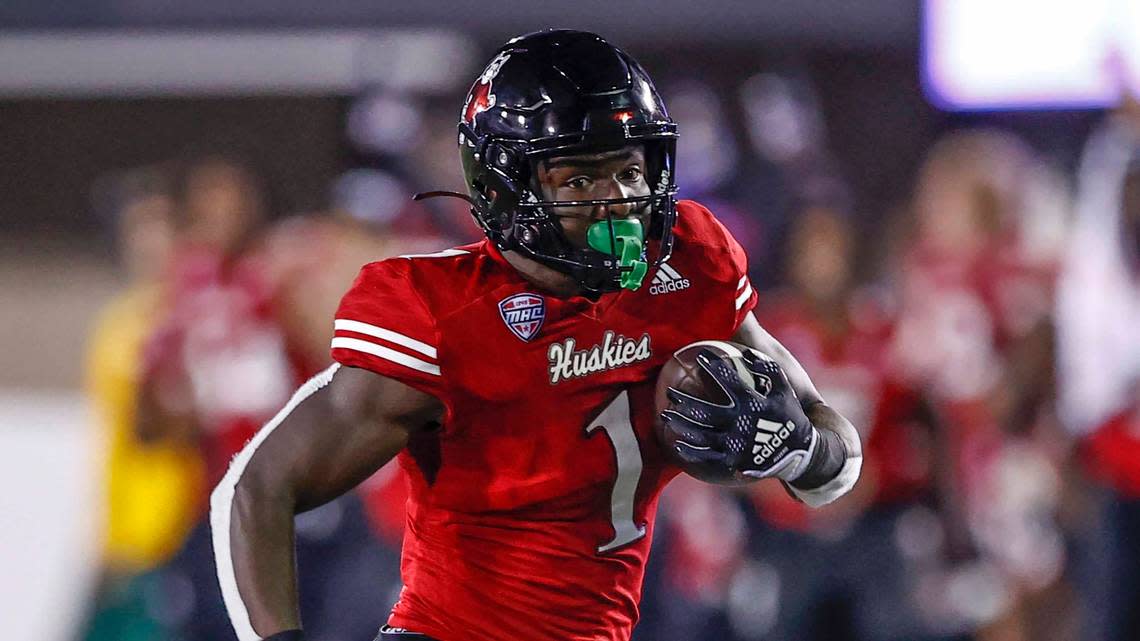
[(619, 250)]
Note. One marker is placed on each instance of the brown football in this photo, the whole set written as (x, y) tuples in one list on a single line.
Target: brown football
[(682, 372)]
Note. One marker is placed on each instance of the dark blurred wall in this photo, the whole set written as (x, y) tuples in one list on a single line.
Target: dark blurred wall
[(679, 22), (53, 150), (878, 125)]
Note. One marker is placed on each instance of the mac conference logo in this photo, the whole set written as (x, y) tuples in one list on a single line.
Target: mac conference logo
[(524, 314)]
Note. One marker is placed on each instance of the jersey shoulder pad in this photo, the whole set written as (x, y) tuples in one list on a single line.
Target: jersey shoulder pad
[(705, 246), (704, 240), (386, 322)]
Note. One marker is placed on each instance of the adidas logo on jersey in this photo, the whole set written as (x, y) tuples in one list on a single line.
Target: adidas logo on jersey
[(668, 280)]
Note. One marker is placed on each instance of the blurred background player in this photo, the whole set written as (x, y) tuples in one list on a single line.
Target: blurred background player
[(312, 258), (218, 362), (974, 334), (141, 472), (1098, 311)]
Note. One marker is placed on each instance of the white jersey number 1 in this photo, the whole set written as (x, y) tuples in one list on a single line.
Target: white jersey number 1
[(615, 422)]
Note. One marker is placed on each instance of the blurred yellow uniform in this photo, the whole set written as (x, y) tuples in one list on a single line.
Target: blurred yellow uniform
[(154, 491)]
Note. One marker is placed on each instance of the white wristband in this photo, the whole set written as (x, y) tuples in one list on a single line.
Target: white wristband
[(835, 488)]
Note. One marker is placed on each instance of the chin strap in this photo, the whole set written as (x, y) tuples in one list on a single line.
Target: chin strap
[(424, 195), (625, 239)]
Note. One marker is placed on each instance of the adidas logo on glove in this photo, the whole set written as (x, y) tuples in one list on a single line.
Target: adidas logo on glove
[(769, 437)]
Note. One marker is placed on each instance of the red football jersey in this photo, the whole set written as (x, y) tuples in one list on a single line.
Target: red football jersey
[(531, 510)]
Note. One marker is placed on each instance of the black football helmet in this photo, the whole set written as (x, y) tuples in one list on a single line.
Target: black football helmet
[(560, 93)]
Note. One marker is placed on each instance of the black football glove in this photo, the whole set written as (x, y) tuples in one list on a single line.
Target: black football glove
[(760, 433)]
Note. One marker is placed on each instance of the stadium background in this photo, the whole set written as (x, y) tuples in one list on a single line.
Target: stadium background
[(937, 234)]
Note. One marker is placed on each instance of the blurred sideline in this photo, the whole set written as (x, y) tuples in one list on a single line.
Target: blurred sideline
[(60, 289), (46, 548), (50, 458)]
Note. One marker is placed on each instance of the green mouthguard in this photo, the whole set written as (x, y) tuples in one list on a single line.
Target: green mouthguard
[(629, 238)]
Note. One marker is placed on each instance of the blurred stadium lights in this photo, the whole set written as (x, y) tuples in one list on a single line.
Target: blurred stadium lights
[(131, 63), (1026, 54)]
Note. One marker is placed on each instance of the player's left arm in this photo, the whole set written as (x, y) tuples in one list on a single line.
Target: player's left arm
[(780, 427), (836, 455)]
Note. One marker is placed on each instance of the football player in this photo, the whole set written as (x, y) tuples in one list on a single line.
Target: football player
[(514, 378)]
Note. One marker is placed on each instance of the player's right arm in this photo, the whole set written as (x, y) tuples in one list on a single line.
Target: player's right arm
[(336, 431)]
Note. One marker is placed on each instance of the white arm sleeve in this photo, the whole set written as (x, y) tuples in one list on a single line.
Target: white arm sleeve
[(221, 506)]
